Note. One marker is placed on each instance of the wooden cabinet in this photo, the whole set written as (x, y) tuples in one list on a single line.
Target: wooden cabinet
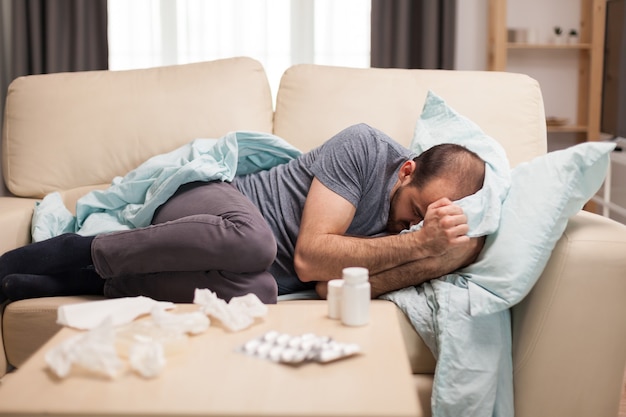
[(589, 48)]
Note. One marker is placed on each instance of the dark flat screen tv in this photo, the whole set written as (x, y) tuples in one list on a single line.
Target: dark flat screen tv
[(613, 120)]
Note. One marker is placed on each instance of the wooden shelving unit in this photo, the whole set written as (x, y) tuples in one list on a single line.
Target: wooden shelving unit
[(591, 58), (581, 46)]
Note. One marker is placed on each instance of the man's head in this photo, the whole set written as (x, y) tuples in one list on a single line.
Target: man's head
[(445, 170)]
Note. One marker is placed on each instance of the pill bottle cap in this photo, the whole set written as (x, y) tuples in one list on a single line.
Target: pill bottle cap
[(334, 286), (355, 275)]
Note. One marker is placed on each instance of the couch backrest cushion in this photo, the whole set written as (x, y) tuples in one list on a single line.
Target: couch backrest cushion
[(71, 130), (315, 102)]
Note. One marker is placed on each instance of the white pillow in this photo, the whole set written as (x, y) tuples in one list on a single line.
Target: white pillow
[(544, 194), (529, 220)]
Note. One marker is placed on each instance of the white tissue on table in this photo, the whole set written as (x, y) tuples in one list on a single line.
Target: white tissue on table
[(145, 343), (167, 329), (93, 351), (194, 323), (91, 314), (237, 314), (147, 358)]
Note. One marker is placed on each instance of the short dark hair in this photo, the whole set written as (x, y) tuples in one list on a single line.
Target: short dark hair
[(451, 161)]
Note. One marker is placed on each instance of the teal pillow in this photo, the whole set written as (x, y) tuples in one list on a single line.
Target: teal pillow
[(523, 211), (438, 124)]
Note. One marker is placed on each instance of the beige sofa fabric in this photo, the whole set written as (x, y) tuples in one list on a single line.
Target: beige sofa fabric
[(31, 323), (315, 102), (421, 358), (569, 333), (110, 122), (15, 218), (4, 364)]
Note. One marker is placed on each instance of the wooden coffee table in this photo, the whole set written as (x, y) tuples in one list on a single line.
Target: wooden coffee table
[(209, 378)]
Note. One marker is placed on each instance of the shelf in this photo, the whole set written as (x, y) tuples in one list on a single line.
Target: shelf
[(576, 46), (590, 57), (568, 129)]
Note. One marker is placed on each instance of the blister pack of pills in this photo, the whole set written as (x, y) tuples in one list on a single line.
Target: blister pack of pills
[(289, 349)]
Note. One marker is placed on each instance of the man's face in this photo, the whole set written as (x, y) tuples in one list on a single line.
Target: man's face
[(409, 204)]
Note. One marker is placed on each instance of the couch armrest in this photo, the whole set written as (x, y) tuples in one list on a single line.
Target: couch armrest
[(4, 364), (15, 218), (569, 333)]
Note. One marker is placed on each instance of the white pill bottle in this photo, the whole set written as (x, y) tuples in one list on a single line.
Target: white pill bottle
[(355, 297)]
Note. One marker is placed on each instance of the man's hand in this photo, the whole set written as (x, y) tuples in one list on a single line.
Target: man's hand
[(445, 227), (444, 244), (321, 288)]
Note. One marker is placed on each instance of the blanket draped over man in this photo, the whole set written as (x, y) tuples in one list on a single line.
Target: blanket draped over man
[(131, 201)]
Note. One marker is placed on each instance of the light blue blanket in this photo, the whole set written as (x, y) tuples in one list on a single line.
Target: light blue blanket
[(131, 200)]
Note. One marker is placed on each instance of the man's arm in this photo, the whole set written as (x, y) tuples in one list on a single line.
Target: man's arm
[(414, 273), (322, 249)]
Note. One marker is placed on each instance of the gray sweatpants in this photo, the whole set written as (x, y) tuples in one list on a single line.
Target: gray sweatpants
[(207, 235)]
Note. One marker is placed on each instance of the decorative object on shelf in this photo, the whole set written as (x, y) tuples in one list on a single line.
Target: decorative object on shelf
[(572, 37), (511, 35), (558, 35), (517, 35)]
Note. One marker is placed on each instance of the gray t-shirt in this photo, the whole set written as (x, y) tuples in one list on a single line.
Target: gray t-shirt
[(360, 164)]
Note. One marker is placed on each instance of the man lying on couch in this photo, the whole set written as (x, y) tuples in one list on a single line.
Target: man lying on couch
[(276, 231)]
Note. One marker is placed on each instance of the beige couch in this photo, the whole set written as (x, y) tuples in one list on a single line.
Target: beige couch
[(75, 132)]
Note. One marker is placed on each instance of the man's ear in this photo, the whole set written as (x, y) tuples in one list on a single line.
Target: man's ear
[(406, 170)]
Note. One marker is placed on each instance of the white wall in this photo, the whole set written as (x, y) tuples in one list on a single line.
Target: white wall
[(471, 35)]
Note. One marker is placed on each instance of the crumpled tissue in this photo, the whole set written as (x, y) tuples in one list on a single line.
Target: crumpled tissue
[(195, 322), (92, 351), (91, 314), (148, 342), (237, 314), (145, 343), (147, 357)]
